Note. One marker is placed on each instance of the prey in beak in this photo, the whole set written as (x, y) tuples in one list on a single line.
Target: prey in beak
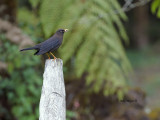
[(65, 30)]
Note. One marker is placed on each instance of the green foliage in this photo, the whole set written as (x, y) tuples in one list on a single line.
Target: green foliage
[(22, 84), (30, 24), (34, 3), (23, 14), (93, 40), (155, 7), (70, 115)]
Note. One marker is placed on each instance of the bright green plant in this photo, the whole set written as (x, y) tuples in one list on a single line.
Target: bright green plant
[(94, 39), (70, 115), (155, 7)]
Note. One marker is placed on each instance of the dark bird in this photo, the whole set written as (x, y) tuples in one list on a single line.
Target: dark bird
[(52, 44)]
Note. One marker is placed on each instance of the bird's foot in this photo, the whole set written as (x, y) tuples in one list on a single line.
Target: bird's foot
[(53, 56), (54, 59)]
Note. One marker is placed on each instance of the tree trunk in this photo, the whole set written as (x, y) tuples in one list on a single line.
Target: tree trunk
[(8, 10), (140, 26)]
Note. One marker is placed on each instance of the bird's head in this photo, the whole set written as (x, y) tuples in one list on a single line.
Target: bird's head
[(61, 31)]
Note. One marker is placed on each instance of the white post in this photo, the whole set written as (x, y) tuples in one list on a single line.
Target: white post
[(52, 101)]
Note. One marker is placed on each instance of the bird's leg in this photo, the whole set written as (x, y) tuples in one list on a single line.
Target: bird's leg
[(53, 55), (48, 55)]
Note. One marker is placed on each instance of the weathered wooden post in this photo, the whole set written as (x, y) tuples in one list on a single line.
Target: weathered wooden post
[(52, 101)]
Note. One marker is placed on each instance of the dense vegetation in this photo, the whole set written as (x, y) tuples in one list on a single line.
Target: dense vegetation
[(92, 51)]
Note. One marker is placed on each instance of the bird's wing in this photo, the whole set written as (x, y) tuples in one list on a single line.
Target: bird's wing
[(47, 46)]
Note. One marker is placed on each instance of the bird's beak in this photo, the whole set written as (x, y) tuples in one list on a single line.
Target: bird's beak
[(65, 30)]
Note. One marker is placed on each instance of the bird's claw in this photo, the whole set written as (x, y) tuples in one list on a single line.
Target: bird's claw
[(54, 59)]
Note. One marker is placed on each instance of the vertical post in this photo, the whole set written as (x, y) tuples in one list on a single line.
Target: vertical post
[(52, 101)]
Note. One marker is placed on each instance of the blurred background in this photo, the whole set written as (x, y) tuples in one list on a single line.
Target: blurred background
[(110, 54)]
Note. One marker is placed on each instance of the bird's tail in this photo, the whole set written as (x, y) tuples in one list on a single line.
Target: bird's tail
[(31, 48)]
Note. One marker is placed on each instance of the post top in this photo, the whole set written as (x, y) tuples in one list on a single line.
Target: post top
[(52, 62)]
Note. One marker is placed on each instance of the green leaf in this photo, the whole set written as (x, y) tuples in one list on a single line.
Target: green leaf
[(70, 114), (155, 5), (120, 94), (158, 13), (34, 3), (10, 67)]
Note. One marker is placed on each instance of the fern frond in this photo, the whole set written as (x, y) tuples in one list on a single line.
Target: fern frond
[(94, 40)]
